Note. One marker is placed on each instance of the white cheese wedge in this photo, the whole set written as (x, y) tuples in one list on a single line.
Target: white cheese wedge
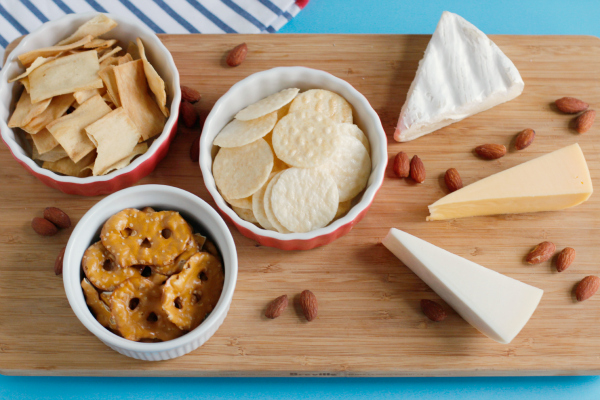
[(462, 73), (498, 306), (555, 181)]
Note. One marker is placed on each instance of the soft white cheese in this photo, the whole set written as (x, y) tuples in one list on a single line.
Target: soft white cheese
[(462, 73), (498, 306)]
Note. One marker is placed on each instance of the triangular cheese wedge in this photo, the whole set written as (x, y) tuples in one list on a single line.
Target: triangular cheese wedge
[(557, 180), (498, 306), (462, 73)]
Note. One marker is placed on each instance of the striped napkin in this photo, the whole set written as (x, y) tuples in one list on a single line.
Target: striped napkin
[(19, 17)]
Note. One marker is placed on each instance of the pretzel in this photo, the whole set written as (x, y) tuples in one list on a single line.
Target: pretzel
[(136, 307), (210, 247), (194, 247), (100, 310), (102, 271), (135, 237), (191, 295)]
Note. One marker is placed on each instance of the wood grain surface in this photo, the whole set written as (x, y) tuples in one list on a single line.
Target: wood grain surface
[(369, 320)]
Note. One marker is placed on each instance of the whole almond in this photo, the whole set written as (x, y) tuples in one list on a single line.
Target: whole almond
[(402, 165), (195, 149), (308, 302), (490, 151), (58, 264), (58, 217), (571, 105), (584, 122), (433, 310), (587, 287), (188, 113), (276, 307), (453, 180), (237, 55), (43, 227), (565, 259), (189, 94), (524, 139), (540, 253), (417, 170)]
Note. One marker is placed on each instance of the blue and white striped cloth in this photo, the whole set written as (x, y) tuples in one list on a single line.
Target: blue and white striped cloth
[(19, 17)]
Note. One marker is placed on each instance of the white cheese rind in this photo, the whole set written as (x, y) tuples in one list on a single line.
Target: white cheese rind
[(498, 306), (462, 73)]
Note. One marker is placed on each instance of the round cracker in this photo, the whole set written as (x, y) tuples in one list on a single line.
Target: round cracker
[(245, 214), (350, 167), (356, 132), (258, 205), (239, 133), (269, 210), (267, 105), (304, 199), (323, 102), (246, 202), (305, 139), (241, 171), (278, 165)]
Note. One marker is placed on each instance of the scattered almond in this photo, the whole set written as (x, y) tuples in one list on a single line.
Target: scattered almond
[(43, 227), (524, 139), (490, 151), (433, 310), (308, 302), (417, 170), (195, 149), (453, 180), (571, 105), (584, 122), (587, 287), (276, 307), (189, 94), (58, 264), (237, 55), (58, 217), (188, 113), (402, 165), (542, 252), (565, 259)]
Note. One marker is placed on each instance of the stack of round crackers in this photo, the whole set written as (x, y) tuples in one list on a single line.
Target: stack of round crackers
[(292, 162)]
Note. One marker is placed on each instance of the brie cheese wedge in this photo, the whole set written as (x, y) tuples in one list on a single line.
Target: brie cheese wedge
[(462, 73), (498, 306)]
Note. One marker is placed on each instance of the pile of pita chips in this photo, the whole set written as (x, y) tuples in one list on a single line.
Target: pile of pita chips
[(88, 107)]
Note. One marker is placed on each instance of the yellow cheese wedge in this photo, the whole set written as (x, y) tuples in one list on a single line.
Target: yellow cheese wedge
[(551, 182)]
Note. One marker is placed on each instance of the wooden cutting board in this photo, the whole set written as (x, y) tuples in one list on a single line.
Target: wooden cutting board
[(369, 320)]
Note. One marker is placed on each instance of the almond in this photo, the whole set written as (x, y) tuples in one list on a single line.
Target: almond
[(587, 287), (417, 170), (58, 217), (584, 122), (571, 105), (542, 252), (308, 302), (453, 180), (490, 151), (237, 55), (402, 165), (58, 264), (43, 227), (188, 113), (276, 307), (433, 310), (524, 139), (195, 149), (565, 259), (189, 94)]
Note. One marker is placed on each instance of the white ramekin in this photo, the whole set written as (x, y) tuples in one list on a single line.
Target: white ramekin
[(194, 210), (262, 84)]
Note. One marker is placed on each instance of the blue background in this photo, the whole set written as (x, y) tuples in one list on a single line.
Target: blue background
[(363, 16)]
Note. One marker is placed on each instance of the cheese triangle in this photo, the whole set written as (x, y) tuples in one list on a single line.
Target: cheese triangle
[(498, 306), (554, 181), (462, 73)]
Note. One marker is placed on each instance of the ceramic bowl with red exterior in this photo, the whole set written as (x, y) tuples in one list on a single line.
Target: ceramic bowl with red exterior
[(49, 34), (262, 84)]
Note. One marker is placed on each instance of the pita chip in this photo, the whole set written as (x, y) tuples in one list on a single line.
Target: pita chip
[(139, 149), (100, 44), (95, 27), (109, 53), (57, 107), (157, 85), (66, 166), (38, 61), (44, 141), (25, 82), (55, 154), (133, 50), (108, 77), (83, 95), (29, 57), (125, 59), (25, 111)]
